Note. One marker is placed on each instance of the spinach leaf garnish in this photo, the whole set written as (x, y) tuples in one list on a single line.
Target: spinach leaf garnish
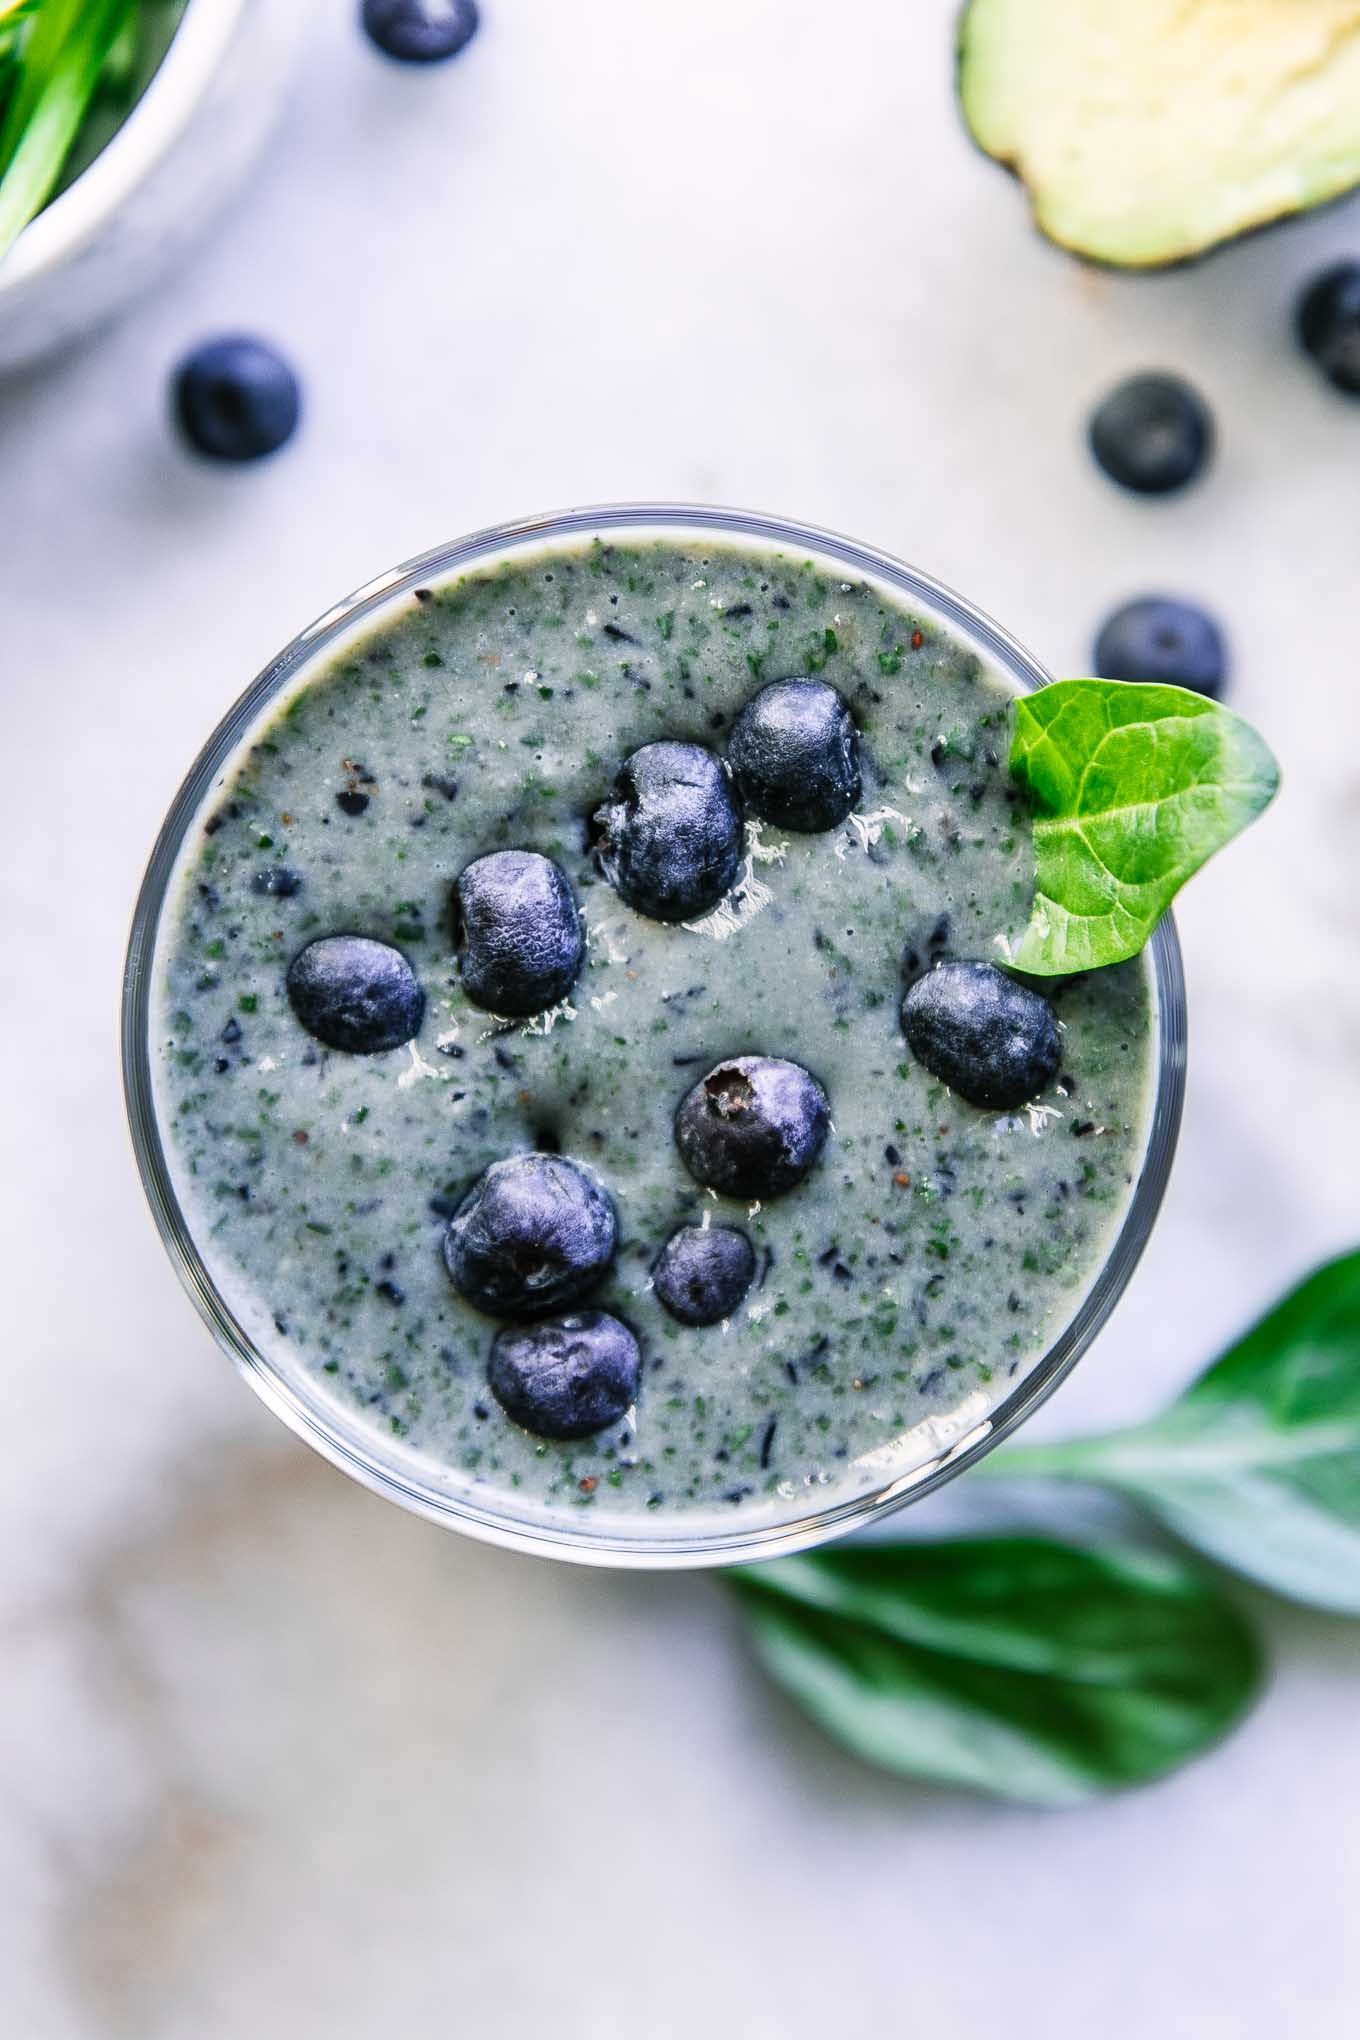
[(1017, 1666), (1131, 788), (1258, 1463)]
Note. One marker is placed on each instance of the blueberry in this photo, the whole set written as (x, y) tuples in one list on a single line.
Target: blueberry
[(1152, 434), (533, 1232), (518, 931), (795, 755), (1161, 640), (1327, 321), (236, 399), (276, 882), (752, 1127), (990, 1039), (568, 1377), (420, 31), (669, 840), (356, 994), (703, 1272)]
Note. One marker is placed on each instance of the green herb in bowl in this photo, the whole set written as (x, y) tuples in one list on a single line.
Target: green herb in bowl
[(70, 71)]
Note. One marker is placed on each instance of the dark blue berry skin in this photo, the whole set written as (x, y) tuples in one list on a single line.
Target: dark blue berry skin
[(752, 1127), (236, 399), (1327, 322), (1152, 434), (795, 755), (276, 881), (518, 932), (1171, 643), (993, 1041), (669, 839), (534, 1232), (703, 1272), (356, 994), (420, 31), (568, 1377)]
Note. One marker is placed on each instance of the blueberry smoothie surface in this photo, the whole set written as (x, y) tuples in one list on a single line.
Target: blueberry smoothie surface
[(916, 1259)]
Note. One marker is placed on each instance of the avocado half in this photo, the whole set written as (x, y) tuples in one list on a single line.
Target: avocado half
[(1148, 131)]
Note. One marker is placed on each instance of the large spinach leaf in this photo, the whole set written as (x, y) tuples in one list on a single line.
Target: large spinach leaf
[(1258, 1464), (1015, 1665)]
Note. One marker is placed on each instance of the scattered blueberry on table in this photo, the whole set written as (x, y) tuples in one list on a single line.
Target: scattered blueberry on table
[(1152, 434), (517, 931), (355, 994), (1170, 643), (669, 839), (236, 399), (535, 1231), (567, 1377), (753, 1127), (1327, 323), (990, 1039), (420, 31), (703, 1273), (794, 753)]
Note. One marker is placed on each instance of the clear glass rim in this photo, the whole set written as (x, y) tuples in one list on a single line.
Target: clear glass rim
[(345, 1445)]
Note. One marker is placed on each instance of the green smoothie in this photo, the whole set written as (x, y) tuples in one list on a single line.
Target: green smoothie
[(900, 1290)]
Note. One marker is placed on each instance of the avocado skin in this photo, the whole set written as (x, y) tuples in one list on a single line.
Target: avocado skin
[(1192, 257)]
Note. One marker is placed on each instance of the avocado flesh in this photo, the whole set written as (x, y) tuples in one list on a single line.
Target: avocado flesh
[(1148, 131)]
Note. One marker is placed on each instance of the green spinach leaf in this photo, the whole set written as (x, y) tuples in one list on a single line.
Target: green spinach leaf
[(1014, 1665), (1258, 1464), (1131, 788)]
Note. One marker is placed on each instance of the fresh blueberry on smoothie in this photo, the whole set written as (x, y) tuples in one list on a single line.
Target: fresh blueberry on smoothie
[(795, 756), (669, 839), (518, 933), (568, 1377), (534, 1231), (990, 1039), (355, 994), (753, 1127), (702, 1273)]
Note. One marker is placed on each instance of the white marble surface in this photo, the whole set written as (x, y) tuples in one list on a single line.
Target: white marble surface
[(278, 1760)]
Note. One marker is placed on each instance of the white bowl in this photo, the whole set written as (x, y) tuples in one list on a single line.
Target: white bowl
[(133, 213)]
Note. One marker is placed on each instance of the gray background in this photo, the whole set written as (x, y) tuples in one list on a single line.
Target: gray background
[(279, 1760)]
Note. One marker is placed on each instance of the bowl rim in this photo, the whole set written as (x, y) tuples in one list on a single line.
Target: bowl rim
[(320, 1422), (153, 125)]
